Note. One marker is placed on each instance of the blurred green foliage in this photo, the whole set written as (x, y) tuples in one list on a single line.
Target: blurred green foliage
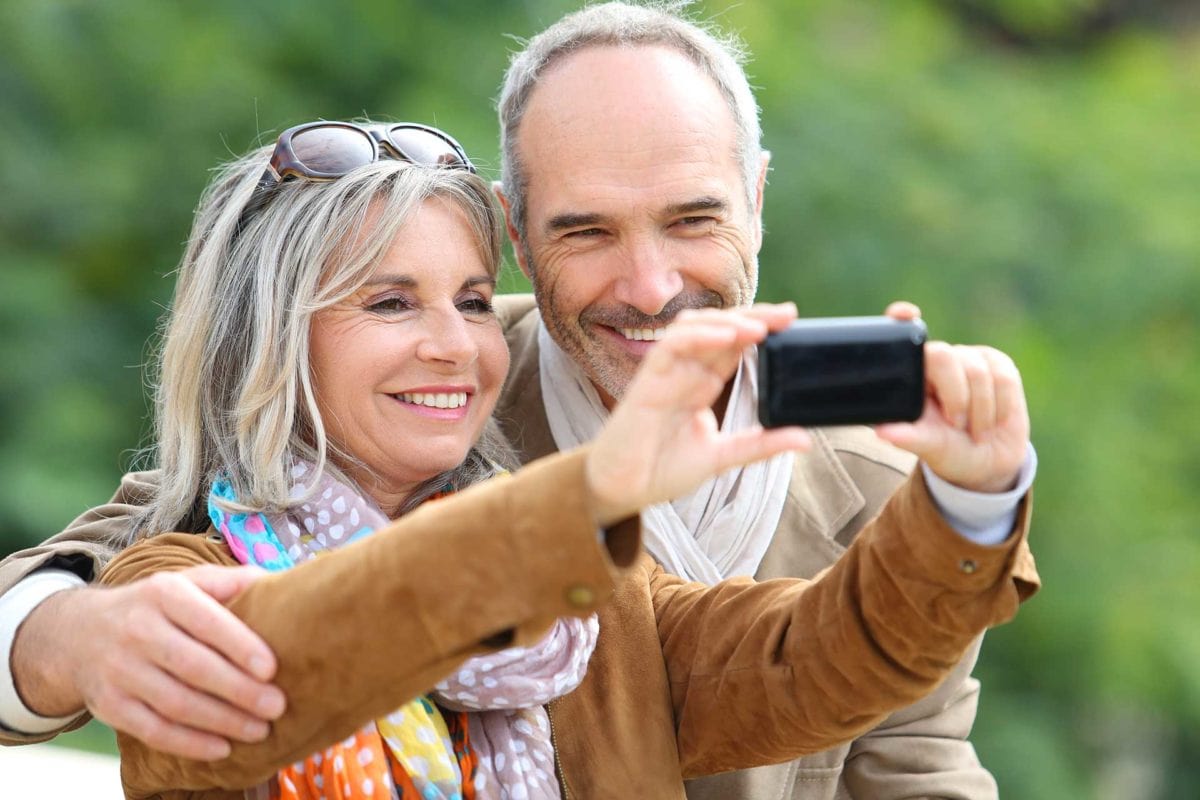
[(1026, 170)]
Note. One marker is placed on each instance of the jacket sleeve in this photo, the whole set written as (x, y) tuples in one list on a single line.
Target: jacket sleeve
[(83, 548), (923, 751), (763, 673), (361, 630)]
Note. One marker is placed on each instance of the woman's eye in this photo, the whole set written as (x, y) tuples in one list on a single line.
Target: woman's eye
[(388, 305), (476, 305)]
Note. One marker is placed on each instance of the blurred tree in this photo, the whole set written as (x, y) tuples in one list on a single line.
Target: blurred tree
[(1026, 170)]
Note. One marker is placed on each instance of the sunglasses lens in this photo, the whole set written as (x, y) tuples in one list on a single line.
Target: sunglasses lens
[(426, 147), (332, 150)]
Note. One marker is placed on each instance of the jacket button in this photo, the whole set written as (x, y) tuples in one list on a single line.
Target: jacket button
[(968, 566), (581, 596)]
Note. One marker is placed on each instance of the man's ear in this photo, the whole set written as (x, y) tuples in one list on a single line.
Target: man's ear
[(513, 235), (758, 197)]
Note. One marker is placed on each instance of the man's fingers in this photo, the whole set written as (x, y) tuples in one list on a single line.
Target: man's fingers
[(223, 583), (142, 722), (187, 603), (188, 705), (192, 662), (213, 650), (903, 310)]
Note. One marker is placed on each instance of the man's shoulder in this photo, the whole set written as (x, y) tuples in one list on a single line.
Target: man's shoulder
[(513, 309)]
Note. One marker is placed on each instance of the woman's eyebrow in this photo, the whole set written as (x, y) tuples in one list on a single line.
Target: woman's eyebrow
[(479, 280), (403, 281), (409, 282)]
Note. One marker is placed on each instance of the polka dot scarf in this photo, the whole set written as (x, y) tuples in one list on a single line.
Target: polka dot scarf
[(483, 732)]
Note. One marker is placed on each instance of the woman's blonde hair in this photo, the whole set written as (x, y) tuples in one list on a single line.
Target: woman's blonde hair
[(232, 389)]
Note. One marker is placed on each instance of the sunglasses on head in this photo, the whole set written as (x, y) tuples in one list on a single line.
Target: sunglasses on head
[(325, 151)]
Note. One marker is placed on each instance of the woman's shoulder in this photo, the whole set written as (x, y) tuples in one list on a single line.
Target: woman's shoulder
[(167, 552)]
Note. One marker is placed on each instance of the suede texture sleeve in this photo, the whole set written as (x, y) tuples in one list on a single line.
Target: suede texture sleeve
[(882, 627), (361, 630)]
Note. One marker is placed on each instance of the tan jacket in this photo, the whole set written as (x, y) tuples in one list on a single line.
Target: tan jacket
[(920, 751), (686, 679)]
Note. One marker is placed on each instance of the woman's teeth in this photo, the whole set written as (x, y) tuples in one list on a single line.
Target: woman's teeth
[(432, 400)]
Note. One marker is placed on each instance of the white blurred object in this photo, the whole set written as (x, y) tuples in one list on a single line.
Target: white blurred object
[(46, 772)]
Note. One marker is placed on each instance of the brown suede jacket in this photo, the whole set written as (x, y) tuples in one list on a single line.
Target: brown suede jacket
[(686, 679)]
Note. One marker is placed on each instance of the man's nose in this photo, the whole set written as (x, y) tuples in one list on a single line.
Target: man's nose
[(649, 279)]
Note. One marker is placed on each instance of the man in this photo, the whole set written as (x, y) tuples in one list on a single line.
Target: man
[(632, 189)]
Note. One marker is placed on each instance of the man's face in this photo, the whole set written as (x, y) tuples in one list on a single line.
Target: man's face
[(636, 205)]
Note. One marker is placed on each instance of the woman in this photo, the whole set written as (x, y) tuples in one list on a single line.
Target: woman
[(331, 363)]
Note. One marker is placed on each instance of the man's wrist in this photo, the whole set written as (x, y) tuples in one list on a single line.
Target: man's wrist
[(16, 605), (983, 517)]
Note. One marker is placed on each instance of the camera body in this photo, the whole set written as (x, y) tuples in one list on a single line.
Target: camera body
[(842, 371)]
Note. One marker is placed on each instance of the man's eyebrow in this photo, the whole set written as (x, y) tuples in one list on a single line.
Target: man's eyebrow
[(706, 203), (568, 220)]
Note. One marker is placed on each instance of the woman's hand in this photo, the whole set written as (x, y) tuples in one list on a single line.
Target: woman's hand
[(975, 428), (663, 439)]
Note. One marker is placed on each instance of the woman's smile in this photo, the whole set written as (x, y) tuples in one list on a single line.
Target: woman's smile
[(408, 368), (448, 403)]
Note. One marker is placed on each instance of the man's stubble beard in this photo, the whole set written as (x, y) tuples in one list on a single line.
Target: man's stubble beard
[(612, 371)]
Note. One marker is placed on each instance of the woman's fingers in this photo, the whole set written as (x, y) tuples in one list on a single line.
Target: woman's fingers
[(981, 409), (946, 382), (758, 444)]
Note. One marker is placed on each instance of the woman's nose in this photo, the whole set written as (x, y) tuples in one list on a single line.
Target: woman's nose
[(447, 338)]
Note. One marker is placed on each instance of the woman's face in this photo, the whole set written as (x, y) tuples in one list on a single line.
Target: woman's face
[(407, 369)]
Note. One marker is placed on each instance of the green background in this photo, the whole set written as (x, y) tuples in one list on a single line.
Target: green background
[(1028, 171)]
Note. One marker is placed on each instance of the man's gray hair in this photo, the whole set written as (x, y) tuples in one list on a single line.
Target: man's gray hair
[(718, 55)]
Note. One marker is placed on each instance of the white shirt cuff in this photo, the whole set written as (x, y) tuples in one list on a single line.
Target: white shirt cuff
[(983, 517), (15, 606)]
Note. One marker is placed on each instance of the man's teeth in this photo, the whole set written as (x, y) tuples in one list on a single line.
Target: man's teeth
[(439, 400), (643, 334)]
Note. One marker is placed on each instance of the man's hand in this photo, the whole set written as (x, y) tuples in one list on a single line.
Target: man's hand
[(161, 659), (663, 438), (974, 431)]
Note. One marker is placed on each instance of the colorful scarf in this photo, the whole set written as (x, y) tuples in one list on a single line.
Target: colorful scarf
[(431, 748)]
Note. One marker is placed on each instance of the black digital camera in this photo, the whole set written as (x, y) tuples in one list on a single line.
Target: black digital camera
[(842, 371)]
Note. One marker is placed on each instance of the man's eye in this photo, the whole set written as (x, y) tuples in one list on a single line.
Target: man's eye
[(586, 233), (694, 221)]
